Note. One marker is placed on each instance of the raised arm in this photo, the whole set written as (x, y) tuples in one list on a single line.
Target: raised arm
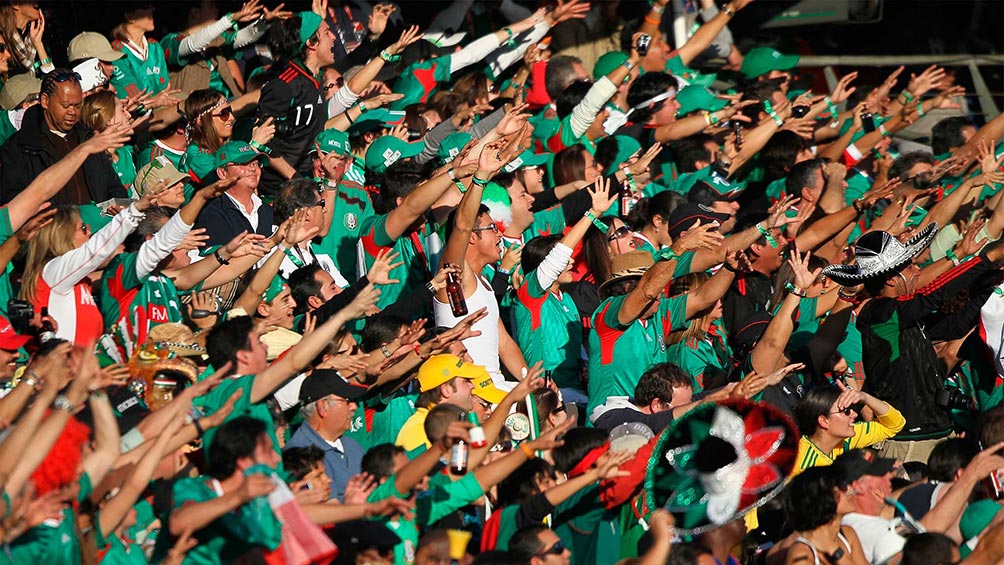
[(770, 349), (706, 34)]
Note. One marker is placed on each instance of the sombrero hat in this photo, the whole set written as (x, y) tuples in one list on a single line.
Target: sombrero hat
[(718, 462), (628, 266), (877, 253)]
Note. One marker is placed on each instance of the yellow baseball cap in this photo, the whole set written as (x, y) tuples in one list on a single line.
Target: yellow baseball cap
[(440, 369)]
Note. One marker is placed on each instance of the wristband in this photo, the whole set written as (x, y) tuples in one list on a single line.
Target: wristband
[(460, 185), (627, 64), (766, 234), (259, 147), (525, 448), (630, 179), (950, 254), (769, 109), (729, 11), (100, 393), (220, 258), (418, 351), (480, 182), (596, 222), (198, 428), (386, 56), (32, 380), (431, 287), (857, 203), (46, 61), (62, 402), (383, 349), (653, 21), (920, 109), (362, 105), (852, 298), (795, 290), (909, 97), (834, 112)]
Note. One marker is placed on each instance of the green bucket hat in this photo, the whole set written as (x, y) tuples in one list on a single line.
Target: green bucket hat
[(452, 145), (333, 140), (309, 24), (720, 461), (608, 62), (762, 60), (387, 150), (696, 97), (238, 152)]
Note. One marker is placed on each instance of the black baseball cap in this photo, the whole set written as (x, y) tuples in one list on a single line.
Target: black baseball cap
[(857, 463), (323, 382), (360, 535), (704, 193), (683, 218)]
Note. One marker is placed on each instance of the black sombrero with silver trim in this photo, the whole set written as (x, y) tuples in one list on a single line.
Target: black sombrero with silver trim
[(878, 253)]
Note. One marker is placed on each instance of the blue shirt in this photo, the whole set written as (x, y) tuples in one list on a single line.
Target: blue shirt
[(339, 465)]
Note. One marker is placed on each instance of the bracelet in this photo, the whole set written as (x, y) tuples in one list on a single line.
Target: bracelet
[(386, 56), (795, 290), (31, 381), (198, 428), (852, 298), (596, 222), (834, 112), (627, 64), (460, 185), (46, 61), (766, 234), (909, 97), (713, 118), (383, 349), (508, 32), (502, 271), (99, 393), (653, 21), (630, 179), (259, 147), (858, 205), (348, 116), (525, 448), (367, 511), (920, 109), (480, 182), (362, 105), (729, 11), (62, 402), (950, 254), (431, 287), (769, 109), (220, 258)]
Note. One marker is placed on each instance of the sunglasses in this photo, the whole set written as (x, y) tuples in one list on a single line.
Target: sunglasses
[(3, 48), (559, 408), (620, 232), (491, 227), (557, 549), (224, 114), (63, 76), (846, 411), (339, 82), (320, 204)]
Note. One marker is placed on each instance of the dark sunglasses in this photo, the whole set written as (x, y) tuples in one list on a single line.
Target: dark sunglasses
[(559, 408), (339, 82), (620, 232), (846, 411), (64, 76), (3, 48), (557, 549), (225, 113)]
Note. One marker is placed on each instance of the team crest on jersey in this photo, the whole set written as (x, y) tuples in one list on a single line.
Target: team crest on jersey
[(350, 221)]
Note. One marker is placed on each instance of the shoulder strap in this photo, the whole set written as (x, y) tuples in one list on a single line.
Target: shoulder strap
[(815, 554)]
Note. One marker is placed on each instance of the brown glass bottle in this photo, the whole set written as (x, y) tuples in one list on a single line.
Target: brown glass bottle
[(455, 293)]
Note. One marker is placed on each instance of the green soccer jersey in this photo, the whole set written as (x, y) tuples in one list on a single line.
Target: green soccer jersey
[(6, 290), (697, 357), (232, 535), (52, 543), (135, 73), (154, 149), (10, 122), (198, 162), (546, 222), (620, 353), (419, 81), (243, 407), (415, 268), (125, 166), (588, 529), (172, 49), (146, 301), (114, 551), (352, 208), (379, 419), (548, 329)]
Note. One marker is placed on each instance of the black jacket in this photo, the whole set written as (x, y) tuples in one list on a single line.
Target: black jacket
[(223, 221), (23, 157)]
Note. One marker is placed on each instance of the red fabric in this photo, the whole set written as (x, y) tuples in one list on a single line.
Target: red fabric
[(615, 492), (537, 96), (589, 460), (59, 468), (490, 534)]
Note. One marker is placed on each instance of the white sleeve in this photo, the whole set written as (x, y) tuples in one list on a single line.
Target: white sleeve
[(551, 267), (502, 59), (343, 99), (474, 53), (288, 394), (250, 34), (201, 39), (584, 113), (452, 18), (166, 240), (63, 272)]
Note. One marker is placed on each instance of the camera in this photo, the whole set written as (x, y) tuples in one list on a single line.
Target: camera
[(20, 313), (800, 111), (954, 399), (867, 121), (641, 45)]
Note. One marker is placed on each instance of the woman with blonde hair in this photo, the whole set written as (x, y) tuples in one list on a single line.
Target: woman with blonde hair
[(210, 125), (101, 110), (60, 260), (699, 349), (22, 25)]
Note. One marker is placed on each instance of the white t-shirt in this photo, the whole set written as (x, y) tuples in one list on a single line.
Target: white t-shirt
[(878, 535), (483, 349)]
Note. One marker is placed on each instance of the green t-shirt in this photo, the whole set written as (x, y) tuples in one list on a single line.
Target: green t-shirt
[(419, 81), (549, 329), (543, 126), (124, 166), (588, 529), (7, 127), (379, 419), (152, 150), (172, 45), (546, 222), (619, 353), (6, 290), (352, 208), (133, 74), (113, 551), (154, 298), (243, 407), (50, 543), (198, 162), (699, 356), (414, 270)]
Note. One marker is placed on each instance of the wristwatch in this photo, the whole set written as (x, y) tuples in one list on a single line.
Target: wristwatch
[(62, 402)]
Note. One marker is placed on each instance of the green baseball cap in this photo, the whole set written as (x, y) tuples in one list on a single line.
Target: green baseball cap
[(309, 24), (696, 97), (762, 60), (238, 152), (608, 62), (451, 146), (975, 519), (626, 146), (528, 159), (376, 119), (387, 150), (333, 140)]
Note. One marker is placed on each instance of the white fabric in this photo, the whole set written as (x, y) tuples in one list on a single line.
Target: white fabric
[(615, 120), (166, 240), (878, 536), (992, 327), (308, 258), (252, 216), (484, 349), (584, 113), (343, 99), (474, 53), (504, 57), (553, 264), (65, 271), (197, 41), (250, 34), (288, 394)]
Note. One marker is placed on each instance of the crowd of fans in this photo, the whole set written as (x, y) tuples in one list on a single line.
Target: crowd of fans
[(528, 286)]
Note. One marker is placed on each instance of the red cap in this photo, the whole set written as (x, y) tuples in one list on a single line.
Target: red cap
[(9, 339)]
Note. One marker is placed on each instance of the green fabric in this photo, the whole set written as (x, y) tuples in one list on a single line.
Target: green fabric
[(7, 128), (53, 545), (683, 183), (420, 80), (549, 329), (172, 42), (588, 529), (619, 354), (92, 216), (695, 356), (507, 527), (197, 161), (374, 238), (121, 293), (387, 416), (125, 166), (6, 290), (132, 75), (543, 126), (546, 222), (112, 551), (216, 398), (151, 151)]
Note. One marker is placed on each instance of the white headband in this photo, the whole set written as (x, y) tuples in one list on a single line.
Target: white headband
[(671, 93)]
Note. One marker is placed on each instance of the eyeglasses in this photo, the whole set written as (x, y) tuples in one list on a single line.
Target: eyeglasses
[(3, 48), (559, 408), (846, 411), (224, 114), (557, 549), (491, 227), (620, 232), (339, 82)]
